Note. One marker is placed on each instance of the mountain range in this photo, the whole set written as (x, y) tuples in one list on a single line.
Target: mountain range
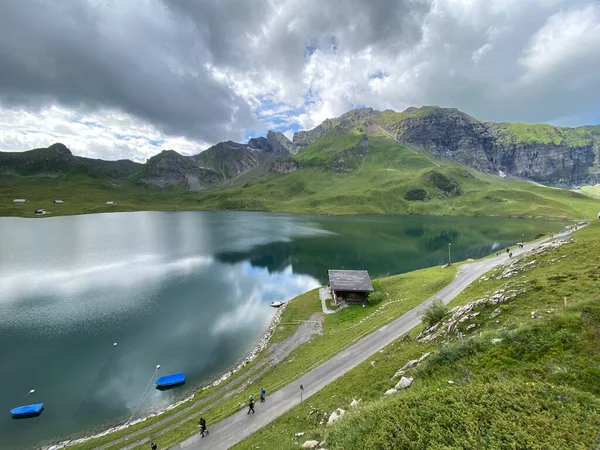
[(418, 155)]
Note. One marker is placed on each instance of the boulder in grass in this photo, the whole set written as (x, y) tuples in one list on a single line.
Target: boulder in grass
[(335, 416), (403, 383), (310, 444), (390, 391)]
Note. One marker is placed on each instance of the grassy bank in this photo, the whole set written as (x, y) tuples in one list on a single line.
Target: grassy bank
[(402, 292), (525, 375)]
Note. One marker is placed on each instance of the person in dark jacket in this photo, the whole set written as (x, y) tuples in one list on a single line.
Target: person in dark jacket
[(203, 428), (251, 405), (262, 394), (153, 446)]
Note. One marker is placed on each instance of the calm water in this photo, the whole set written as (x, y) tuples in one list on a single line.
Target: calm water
[(186, 290)]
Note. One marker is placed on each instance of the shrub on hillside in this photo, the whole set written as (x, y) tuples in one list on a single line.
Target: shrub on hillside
[(443, 183), (376, 297), (416, 195), (434, 313)]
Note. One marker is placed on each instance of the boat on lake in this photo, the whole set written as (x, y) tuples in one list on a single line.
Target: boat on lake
[(27, 410), (170, 380), (276, 304)]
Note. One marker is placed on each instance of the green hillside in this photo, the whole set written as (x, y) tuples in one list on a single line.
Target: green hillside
[(340, 174), (392, 178), (524, 374), (428, 160)]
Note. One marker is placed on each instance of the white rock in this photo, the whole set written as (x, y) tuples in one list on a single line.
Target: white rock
[(412, 363), (426, 355), (496, 341), (354, 403), (398, 374), (495, 313), (470, 327), (390, 391), (372, 363), (403, 383), (450, 382), (299, 434), (335, 416), (535, 314), (310, 444)]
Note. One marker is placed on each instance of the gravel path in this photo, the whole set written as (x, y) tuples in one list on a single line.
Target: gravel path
[(240, 425), (324, 295)]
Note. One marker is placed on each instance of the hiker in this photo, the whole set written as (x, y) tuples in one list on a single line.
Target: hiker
[(510, 255), (251, 404), (153, 446), (262, 394), (507, 250), (203, 427)]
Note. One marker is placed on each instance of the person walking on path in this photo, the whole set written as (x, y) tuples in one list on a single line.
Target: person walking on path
[(262, 394), (251, 405), (203, 428)]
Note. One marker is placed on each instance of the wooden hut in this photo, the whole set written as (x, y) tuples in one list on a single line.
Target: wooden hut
[(351, 286)]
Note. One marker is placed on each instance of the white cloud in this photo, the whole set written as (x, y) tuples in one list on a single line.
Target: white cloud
[(101, 134), (296, 63)]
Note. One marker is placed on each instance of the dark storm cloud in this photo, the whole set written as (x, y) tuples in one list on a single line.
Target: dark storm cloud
[(132, 56)]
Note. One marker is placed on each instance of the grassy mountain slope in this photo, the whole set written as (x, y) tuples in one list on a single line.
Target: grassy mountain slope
[(391, 178), (425, 160), (340, 174), (515, 379)]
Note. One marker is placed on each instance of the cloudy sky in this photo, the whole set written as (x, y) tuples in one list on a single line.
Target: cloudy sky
[(126, 78)]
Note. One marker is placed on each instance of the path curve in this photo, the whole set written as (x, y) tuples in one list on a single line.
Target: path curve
[(237, 427)]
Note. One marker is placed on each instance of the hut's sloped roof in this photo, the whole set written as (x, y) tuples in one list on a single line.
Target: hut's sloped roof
[(350, 280)]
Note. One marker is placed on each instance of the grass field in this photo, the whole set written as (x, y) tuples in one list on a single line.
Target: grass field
[(382, 182), (537, 387)]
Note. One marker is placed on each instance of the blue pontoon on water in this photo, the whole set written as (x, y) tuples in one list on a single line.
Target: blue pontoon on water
[(171, 380), (27, 410)]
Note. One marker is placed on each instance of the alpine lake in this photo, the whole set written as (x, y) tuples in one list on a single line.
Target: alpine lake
[(187, 290)]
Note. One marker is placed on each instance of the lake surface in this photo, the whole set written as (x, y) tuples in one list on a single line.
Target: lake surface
[(187, 290)]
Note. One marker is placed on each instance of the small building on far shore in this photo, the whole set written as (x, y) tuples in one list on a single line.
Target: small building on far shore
[(19, 201), (58, 202), (110, 203), (351, 286)]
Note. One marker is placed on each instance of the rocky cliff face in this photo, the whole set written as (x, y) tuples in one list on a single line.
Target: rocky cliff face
[(281, 144), (284, 166), (340, 125), (556, 156), (449, 133), (169, 168), (231, 159)]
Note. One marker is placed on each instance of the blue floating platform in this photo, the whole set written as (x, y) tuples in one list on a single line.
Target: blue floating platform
[(171, 380), (27, 410)]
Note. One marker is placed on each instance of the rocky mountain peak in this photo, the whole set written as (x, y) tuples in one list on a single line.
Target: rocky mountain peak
[(280, 143), (61, 149)]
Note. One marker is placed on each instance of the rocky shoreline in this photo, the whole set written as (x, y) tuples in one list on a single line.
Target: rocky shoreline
[(254, 353)]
